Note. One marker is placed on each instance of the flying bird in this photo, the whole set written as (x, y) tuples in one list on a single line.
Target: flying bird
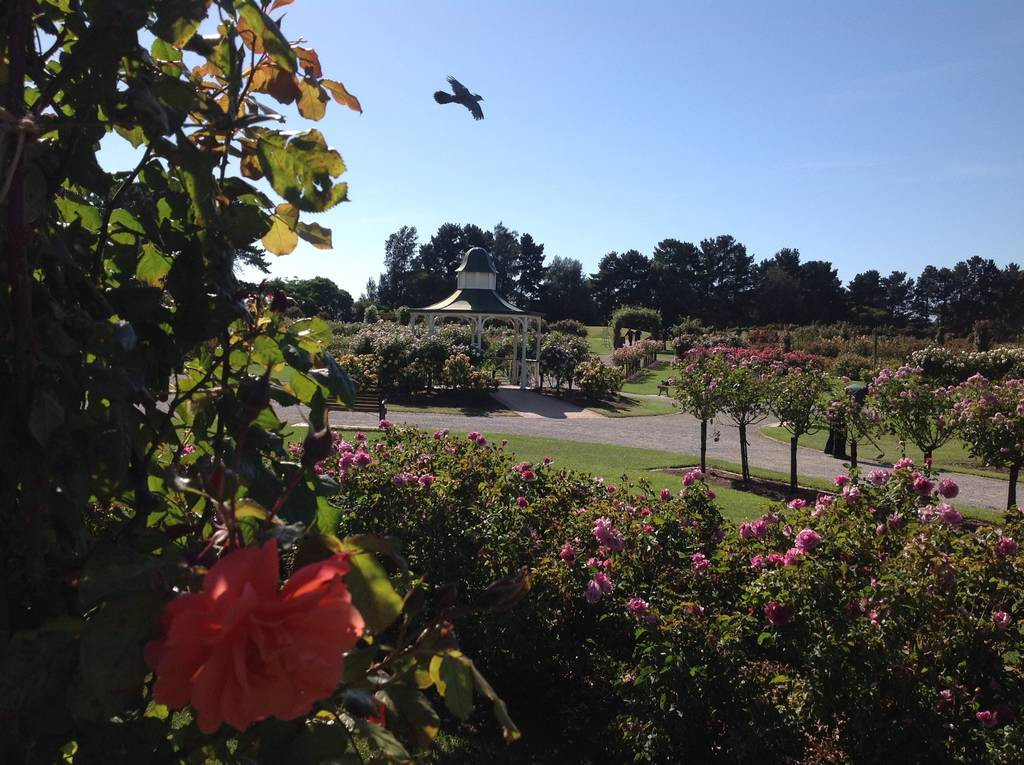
[(462, 96)]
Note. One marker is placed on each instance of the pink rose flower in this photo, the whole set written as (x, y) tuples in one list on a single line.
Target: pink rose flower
[(841, 480), (699, 562), (948, 488), (568, 554), (606, 534), (796, 504), (987, 718), (807, 540), (1002, 620), (878, 477), (904, 462), (923, 486), (778, 614), (666, 494), (522, 501), (950, 515), (384, 424), (792, 556), (1006, 546)]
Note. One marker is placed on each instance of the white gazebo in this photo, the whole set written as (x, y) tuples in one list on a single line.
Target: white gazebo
[(476, 300)]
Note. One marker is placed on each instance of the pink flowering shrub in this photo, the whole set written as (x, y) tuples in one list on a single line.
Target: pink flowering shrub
[(914, 408), (650, 628)]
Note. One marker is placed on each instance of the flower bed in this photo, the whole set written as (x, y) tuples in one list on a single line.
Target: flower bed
[(651, 629)]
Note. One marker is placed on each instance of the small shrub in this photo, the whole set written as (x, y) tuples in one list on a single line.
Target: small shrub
[(569, 327), (597, 380)]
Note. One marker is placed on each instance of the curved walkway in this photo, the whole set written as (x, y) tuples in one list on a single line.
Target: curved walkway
[(678, 433)]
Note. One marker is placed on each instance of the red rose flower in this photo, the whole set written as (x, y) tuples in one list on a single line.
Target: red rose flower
[(242, 649)]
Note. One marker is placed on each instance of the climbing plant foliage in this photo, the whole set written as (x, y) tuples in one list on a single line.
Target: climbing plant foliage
[(139, 444)]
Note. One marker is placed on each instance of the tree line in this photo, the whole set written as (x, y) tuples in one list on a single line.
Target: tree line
[(716, 281)]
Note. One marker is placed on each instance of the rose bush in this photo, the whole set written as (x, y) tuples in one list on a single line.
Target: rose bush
[(651, 628)]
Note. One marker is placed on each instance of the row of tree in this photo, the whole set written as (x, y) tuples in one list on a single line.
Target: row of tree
[(716, 281)]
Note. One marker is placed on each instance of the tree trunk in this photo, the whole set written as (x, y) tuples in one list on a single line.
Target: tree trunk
[(744, 471), (792, 463), (853, 452), (703, 446), (1011, 494)]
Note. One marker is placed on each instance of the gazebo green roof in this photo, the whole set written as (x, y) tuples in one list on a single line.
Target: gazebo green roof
[(477, 259), (474, 301)]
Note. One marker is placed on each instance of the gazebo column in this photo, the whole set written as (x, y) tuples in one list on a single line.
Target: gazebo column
[(537, 362), (524, 370)]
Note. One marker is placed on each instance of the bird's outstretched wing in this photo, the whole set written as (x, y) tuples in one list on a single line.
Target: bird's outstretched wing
[(460, 90), (474, 108)]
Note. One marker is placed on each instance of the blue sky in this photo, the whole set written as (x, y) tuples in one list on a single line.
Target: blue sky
[(872, 134)]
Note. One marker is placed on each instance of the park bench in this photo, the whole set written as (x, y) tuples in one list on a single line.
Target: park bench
[(367, 400), (666, 386)]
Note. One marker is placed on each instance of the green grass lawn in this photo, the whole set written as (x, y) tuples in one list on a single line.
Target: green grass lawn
[(632, 406), (622, 465), (951, 457), (599, 339), (647, 380)]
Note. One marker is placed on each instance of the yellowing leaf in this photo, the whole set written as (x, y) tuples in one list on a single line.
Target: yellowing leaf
[(280, 240), (312, 100), (250, 508), (342, 96)]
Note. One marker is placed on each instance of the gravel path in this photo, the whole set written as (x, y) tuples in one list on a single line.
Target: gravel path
[(678, 433)]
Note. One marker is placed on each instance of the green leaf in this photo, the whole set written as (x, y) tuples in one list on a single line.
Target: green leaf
[(280, 239), (300, 168), (414, 711), (269, 34), (153, 266), (372, 593), (454, 680), (316, 235), (72, 210), (383, 741)]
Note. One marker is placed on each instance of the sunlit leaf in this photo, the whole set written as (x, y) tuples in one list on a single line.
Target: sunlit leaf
[(342, 96), (268, 34), (281, 239), (312, 100)]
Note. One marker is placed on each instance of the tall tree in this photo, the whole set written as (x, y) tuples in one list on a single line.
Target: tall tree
[(724, 280), (505, 254), (673, 265), (564, 292), (867, 298), (529, 270), (898, 294), (821, 292), (621, 280), (399, 251)]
